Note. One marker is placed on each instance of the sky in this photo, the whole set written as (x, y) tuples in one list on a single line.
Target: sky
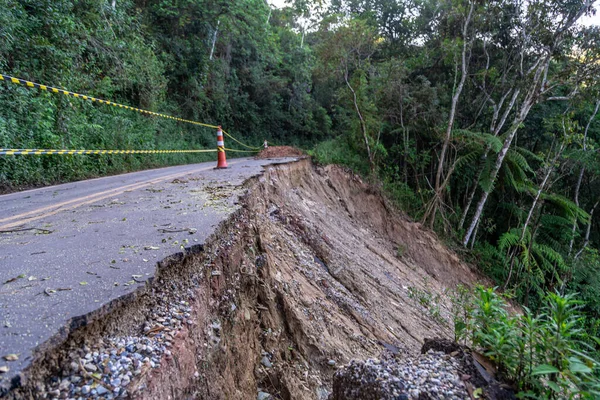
[(594, 20)]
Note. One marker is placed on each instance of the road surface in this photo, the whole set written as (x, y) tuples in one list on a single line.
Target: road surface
[(67, 250)]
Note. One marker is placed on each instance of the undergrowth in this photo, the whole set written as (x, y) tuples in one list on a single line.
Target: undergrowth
[(545, 355)]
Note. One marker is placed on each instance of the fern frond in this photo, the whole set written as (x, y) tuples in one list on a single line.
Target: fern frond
[(528, 154), (468, 159), (550, 255), (508, 240), (518, 159), (482, 138), (568, 208)]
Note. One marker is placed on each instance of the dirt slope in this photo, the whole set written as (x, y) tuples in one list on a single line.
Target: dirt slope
[(315, 280), (313, 271)]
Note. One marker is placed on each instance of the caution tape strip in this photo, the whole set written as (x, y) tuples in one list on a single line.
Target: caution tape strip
[(238, 142), (30, 84), (51, 89), (243, 151), (10, 152)]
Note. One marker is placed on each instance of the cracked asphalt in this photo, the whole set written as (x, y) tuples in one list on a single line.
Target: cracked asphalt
[(67, 250)]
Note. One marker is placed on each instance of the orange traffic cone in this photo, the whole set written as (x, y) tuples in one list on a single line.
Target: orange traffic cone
[(221, 159)]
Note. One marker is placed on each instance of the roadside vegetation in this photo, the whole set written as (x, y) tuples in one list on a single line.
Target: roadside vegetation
[(479, 119), (544, 354)]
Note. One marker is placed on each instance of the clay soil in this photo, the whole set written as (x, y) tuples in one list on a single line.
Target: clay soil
[(279, 151), (314, 270)]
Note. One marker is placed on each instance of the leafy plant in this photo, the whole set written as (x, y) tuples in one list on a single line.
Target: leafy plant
[(543, 354)]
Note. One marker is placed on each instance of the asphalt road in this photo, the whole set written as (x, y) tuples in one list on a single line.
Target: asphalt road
[(67, 250)]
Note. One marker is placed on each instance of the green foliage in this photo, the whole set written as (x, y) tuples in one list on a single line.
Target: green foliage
[(543, 354), (482, 139), (341, 151), (154, 56)]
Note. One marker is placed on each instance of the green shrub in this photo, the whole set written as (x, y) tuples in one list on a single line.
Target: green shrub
[(339, 151), (544, 355)]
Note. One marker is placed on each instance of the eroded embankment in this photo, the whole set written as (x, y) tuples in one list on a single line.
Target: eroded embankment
[(314, 270)]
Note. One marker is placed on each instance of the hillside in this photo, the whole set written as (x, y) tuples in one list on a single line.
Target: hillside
[(313, 271)]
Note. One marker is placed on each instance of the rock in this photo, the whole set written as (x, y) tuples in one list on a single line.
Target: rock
[(263, 396), (64, 385), (266, 362), (331, 363), (74, 366), (363, 380), (101, 390), (86, 389), (90, 367)]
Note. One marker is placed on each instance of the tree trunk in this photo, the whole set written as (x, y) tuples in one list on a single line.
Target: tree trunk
[(580, 178), (587, 232), (519, 118), (495, 130), (536, 88), (214, 41), (541, 189), (438, 176), (363, 125)]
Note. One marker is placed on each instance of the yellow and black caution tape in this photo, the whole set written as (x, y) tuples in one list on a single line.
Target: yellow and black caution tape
[(240, 143), (10, 152), (242, 151), (51, 89)]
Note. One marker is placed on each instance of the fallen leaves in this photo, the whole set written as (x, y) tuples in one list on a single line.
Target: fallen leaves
[(83, 283), (151, 248), (4, 369), (11, 357)]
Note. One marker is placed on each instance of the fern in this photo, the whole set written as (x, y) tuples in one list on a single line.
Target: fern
[(486, 183), (508, 240), (548, 254), (568, 208), (516, 158), (468, 159), (484, 139), (528, 154)]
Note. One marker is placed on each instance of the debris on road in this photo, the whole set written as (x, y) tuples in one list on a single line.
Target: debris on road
[(279, 151)]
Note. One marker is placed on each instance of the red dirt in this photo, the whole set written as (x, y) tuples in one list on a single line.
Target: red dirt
[(279, 151)]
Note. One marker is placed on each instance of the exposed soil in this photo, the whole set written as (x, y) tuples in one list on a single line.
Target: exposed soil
[(315, 269), (279, 151)]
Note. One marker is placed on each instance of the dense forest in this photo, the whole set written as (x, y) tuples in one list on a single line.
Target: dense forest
[(479, 118)]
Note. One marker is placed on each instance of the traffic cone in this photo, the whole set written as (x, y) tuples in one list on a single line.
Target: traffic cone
[(221, 159)]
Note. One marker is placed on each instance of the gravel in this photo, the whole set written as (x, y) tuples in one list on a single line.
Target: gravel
[(434, 374), (115, 367)]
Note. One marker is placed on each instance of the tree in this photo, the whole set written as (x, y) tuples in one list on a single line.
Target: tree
[(548, 44), (347, 52)]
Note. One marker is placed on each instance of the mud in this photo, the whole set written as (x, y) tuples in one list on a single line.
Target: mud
[(279, 151), (314, 270)]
